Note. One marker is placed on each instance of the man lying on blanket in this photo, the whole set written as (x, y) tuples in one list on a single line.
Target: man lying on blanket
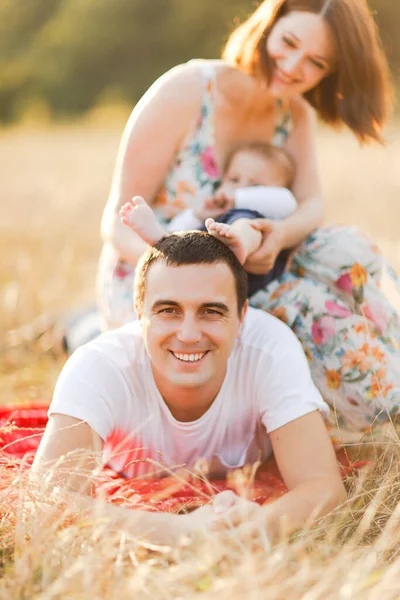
[(198, 376)]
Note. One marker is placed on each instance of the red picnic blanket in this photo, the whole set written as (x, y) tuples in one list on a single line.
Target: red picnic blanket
[(21, 429)]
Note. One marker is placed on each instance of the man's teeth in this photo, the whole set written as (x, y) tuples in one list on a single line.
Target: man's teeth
[(189, 357)]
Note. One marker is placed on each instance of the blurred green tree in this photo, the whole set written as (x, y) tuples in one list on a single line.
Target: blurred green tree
[(20, 22), (68, 52)]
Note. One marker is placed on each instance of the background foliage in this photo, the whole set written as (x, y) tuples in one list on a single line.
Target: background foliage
[(72, 54)]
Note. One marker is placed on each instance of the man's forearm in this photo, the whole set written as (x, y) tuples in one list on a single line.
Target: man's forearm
[(301, 506), (156, 528), (303, 221)]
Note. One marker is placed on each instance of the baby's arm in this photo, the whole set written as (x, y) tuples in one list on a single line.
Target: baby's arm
[(272, 202)]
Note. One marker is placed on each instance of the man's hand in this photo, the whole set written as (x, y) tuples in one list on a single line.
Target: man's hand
[(273, 236), (226, 511), (231, 510), (239, 519)]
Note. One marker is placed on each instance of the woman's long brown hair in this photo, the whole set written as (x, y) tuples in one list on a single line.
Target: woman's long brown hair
[(358, 92)]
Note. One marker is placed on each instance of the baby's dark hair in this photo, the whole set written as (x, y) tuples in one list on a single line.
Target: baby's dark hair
[(270, 152)]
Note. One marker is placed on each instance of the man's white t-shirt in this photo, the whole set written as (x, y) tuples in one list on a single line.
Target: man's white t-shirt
[(109, 384)]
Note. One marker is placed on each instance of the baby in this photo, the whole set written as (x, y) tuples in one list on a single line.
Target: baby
[(254, 185)]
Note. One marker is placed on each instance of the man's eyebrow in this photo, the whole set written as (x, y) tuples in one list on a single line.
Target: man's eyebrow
[(220, 305), (164, 302), (314, 55)]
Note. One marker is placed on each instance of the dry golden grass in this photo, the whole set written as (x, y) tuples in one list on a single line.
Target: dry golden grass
[(48, 551), (54, 186)]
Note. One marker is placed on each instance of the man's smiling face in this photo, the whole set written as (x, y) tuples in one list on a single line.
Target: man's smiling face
[(190, 322)]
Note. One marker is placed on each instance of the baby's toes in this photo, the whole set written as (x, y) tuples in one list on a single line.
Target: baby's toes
[(138, 201), (224, 229), (126, 209), (209, 222), (218, 227)]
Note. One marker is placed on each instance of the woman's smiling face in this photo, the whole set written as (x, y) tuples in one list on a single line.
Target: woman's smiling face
[(302, 52)]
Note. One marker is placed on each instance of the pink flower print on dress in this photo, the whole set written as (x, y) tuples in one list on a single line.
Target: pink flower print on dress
[(323, 330), (352, 401), (122, 269), (374, 313), (344, 283), (337, 311), (208, 163)]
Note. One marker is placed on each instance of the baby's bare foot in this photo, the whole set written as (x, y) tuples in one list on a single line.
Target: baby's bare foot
[(224, 232), (139, 216)]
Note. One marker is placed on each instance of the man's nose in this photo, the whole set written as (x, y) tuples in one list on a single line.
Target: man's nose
[(189, 331)]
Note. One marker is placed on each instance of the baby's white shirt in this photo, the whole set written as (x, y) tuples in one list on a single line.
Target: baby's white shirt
[(271, 202)]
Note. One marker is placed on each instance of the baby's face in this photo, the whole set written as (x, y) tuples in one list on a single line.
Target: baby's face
[(248, 169)]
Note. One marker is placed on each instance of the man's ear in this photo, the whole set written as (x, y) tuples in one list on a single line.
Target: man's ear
[(243, 314)]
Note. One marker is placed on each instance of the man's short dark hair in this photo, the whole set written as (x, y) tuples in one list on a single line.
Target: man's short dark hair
[(190, 248)]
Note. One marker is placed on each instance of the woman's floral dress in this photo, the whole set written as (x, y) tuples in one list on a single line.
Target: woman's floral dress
[(329, 295)]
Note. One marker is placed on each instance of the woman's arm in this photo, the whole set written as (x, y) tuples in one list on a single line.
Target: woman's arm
[(306, 189), (154, 132)]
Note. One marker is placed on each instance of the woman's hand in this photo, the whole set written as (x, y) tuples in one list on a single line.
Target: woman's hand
[(273, 241)]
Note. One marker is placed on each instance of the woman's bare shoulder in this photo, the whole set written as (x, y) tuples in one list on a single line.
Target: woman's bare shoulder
[(183, 82), (234, 83), (180, 90), (176, 95)]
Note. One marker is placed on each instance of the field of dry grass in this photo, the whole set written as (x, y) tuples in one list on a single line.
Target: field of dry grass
[(54, 185)]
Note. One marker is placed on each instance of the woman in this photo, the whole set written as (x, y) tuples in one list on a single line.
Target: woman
[(289, 56)]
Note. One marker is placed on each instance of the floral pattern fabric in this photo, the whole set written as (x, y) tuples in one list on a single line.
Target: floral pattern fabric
[(194, 174), (331, 297)]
